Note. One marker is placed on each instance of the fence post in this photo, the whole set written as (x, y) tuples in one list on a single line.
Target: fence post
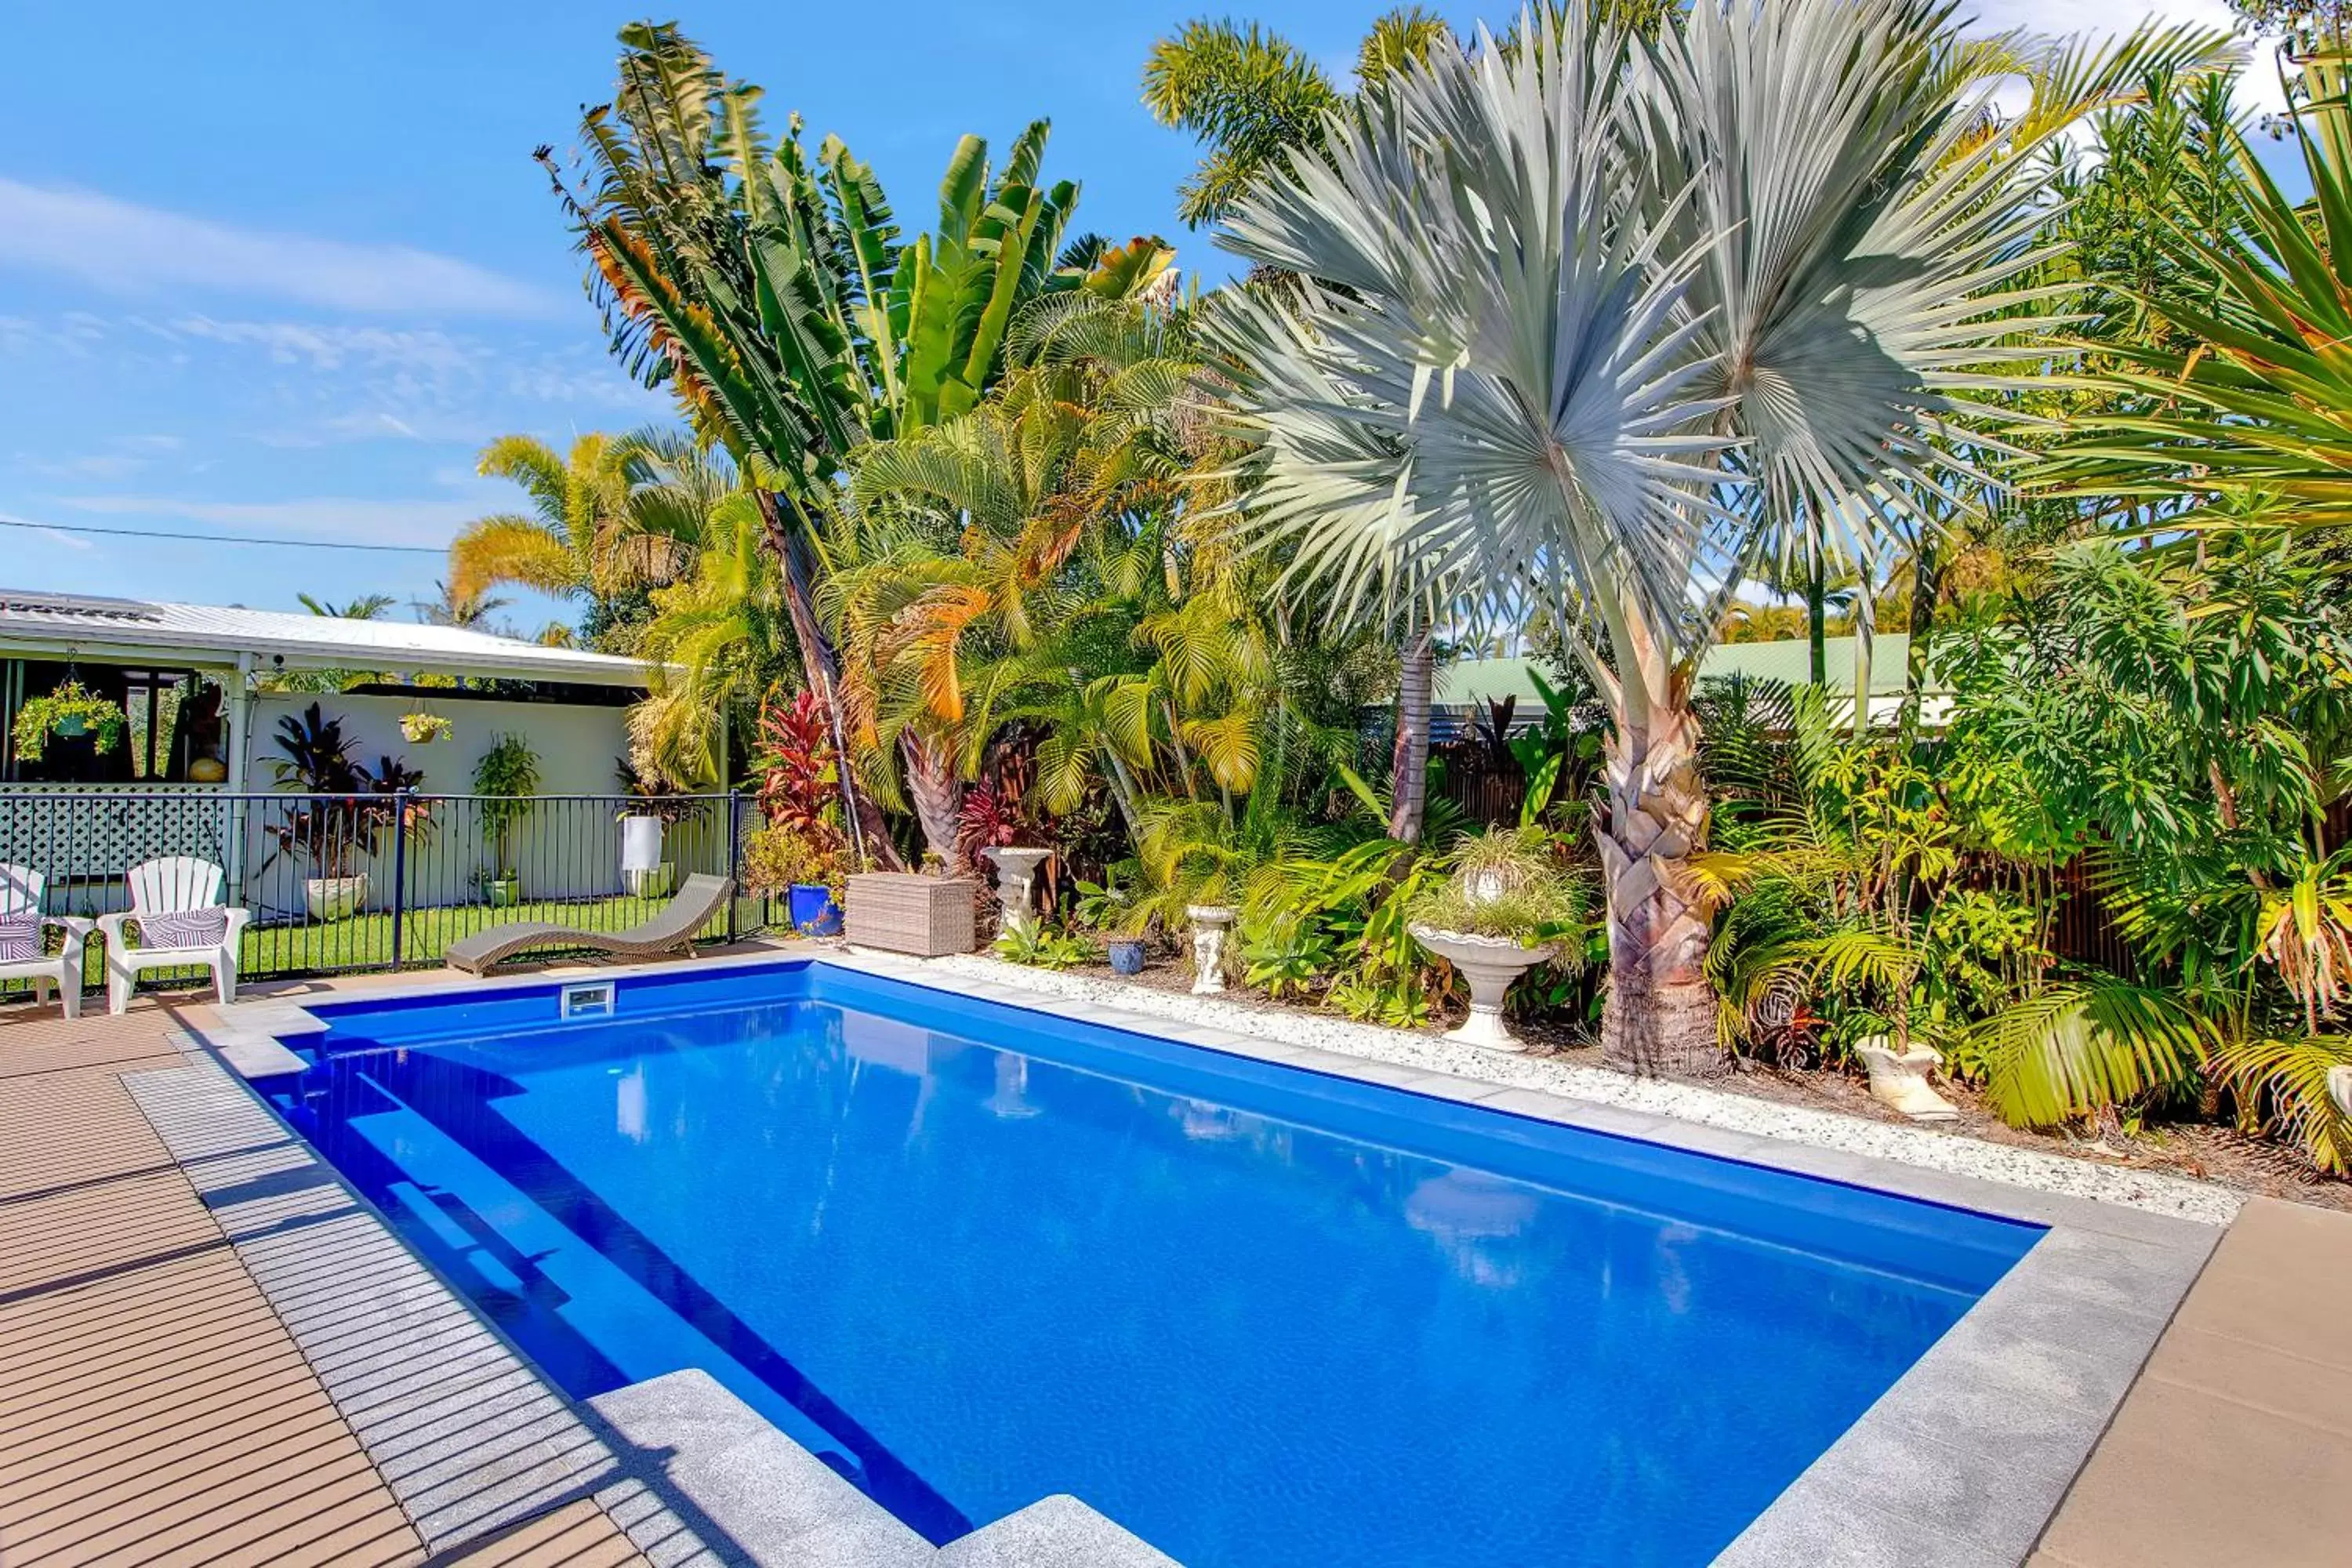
[(403, 800), (734, 854)]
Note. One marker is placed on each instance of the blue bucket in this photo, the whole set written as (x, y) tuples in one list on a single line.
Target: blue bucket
[(813, 911)]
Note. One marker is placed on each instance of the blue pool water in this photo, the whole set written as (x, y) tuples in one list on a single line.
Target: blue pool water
[(975, 1256)]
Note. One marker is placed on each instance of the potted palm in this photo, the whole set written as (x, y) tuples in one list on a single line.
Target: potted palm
[(1502, 912), (505, 779)]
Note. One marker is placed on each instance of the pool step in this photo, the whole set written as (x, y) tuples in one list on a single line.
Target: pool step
[(699, 1446)]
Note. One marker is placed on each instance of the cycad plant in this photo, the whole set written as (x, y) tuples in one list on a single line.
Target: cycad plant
[(1580, 313)]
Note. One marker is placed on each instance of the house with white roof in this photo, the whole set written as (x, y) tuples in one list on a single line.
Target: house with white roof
[(202, 687), (208, 690)]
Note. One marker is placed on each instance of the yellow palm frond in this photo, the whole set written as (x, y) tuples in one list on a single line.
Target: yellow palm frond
[(510, 549)]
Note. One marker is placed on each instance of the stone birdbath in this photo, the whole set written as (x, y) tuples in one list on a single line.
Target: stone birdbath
[(1490, 963), (1210, 924), (1017, 871), (1901, 1079)]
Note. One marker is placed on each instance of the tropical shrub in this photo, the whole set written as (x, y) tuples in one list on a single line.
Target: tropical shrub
[(1284, 952), (505, 777), (779, 858), (347, 807), (1042, 946), (795, 765)]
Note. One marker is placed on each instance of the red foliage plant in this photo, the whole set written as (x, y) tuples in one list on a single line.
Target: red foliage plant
[(796, 764), (991, 818)]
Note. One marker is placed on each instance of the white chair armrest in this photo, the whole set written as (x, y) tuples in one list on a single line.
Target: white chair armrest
[(79, 924), (238, 921)]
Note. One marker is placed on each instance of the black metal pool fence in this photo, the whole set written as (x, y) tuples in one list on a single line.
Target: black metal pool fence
[(338, 883)]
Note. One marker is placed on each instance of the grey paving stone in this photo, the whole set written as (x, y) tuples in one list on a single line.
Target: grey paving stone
[(772, 1499), (1811, 1530), (257, 1055), (1057, 1531), (1446, 1086)]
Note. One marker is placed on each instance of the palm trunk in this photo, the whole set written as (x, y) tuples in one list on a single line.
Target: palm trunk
[(1409, 767), (1926, 586), (937, 793), (1817, 613), (869, 832), (1659, 1015), (1865, 628)]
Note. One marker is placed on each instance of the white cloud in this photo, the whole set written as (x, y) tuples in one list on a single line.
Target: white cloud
[(431, 522), (326, 347), (122, 245)]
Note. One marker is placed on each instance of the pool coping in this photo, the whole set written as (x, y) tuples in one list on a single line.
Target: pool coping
[(1960, 1464)]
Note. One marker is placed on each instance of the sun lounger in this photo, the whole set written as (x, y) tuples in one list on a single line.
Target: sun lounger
[(672, 931)]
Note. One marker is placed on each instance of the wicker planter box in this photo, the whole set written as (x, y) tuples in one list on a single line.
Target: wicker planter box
[(901, 913)]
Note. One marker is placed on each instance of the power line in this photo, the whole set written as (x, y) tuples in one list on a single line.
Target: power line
[(222, 538)]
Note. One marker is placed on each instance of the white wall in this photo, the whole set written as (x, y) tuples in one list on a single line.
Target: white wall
[(562, 849), (577, 747)]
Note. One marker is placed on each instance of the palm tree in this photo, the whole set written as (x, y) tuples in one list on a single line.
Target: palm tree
[(366, 608), (565, 545), (1254, 99), (949, 572), (467, 611), (1582, 308), (715, 647)]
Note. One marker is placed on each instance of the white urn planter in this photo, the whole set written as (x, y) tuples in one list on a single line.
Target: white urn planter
[(1901, 1079), (1016, 875), (1210, 924), (335, 897), (644, 873), (1490, 963)]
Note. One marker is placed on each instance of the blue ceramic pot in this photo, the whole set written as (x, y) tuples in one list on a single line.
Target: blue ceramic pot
[(813, 911), (1126, 954)]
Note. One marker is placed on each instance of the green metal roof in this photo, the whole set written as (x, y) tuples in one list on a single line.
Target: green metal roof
[(1790, 660)]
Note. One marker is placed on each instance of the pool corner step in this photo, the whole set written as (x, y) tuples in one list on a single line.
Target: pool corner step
[(1053, 1532), (709, 1453)]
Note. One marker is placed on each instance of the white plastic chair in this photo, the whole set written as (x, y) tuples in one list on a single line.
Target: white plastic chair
[(169, 898), (20, 895)]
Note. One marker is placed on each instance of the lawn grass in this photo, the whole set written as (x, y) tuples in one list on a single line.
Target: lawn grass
[(364, 941)]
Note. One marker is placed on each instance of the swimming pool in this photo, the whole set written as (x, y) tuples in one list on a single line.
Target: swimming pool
[(974, 1255)]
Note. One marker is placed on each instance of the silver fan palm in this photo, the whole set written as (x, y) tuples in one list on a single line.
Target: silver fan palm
[(1589, 320)]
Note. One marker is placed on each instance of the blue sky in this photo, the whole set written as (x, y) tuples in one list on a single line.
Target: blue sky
[(281, 271)]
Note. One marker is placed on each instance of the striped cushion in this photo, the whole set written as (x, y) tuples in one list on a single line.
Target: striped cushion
[(20, 938), (183, 928)]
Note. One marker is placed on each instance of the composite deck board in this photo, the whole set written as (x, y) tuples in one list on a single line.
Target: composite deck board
[(2235, 1444), (153, 1408)]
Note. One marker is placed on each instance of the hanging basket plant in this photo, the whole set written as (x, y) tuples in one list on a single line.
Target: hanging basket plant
[(422, 729), (69, 710)]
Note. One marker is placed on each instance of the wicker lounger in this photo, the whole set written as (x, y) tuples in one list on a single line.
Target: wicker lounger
[(672, 931)]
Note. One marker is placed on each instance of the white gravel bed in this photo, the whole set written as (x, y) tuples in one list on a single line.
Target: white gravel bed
[(1939, 1151)]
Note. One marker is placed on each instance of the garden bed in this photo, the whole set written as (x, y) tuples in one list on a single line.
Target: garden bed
[(2193, 1151)]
